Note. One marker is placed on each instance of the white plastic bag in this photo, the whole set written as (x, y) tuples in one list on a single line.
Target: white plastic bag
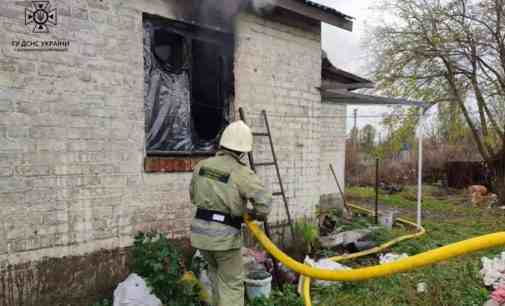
[(134, 292), (493, 271), (204, 276), (206, 284), (325, 264), (390, 257)]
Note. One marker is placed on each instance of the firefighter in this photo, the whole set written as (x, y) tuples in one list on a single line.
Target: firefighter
[(221, 187)]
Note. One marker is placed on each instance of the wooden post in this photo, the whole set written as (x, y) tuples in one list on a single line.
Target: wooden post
[(340, 189)]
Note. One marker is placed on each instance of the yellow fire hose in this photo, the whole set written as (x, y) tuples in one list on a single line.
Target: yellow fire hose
[(420, 231), (403, 265)]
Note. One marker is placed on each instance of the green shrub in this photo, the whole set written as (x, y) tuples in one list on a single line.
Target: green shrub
[(261, 301), (308, 232), (285, 297), (160, 264)]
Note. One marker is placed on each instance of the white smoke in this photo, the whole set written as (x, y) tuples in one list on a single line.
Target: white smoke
[(263, 6)]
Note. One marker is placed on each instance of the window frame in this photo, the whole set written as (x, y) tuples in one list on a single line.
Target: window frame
[(191, 31), (160, 161)]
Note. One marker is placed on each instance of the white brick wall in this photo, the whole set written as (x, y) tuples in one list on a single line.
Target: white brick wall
[(72, 136), (72, 127), (278, 68), (333, 128)]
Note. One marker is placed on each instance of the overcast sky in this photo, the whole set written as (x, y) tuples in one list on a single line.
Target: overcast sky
[(345, 50), (344, 47)]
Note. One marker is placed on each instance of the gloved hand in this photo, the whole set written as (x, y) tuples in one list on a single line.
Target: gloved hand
[(255, 216)]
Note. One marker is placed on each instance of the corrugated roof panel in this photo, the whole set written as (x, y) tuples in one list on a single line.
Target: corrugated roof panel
[(326, 8)]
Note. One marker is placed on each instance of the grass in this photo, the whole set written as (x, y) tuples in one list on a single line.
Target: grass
[(448, 218)]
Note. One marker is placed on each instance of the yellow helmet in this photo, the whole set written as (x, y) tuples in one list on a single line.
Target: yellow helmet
[(237, 137)]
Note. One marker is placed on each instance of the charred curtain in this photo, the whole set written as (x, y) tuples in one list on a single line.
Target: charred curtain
[(188, 87)]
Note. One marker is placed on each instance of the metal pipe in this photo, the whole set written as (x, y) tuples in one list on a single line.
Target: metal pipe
[(420, 168)]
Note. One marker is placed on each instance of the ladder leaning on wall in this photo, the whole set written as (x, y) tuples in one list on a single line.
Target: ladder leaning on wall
[(274, 163)]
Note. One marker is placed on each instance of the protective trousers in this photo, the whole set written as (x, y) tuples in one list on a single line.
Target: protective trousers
[(226, 273)]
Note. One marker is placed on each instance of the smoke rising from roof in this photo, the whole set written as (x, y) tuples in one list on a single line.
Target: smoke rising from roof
[(223, 12), (219, 13), (263, 6)]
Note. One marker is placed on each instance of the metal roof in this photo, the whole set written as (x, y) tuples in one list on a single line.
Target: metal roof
[(363, 99), (330, 72), (325, 8)]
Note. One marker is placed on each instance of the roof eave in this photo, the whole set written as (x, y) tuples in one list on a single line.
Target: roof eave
[(330, 86), (317, 13), (362, 99)]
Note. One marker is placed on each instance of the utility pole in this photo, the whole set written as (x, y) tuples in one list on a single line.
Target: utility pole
[(355, 117), (354, 133)]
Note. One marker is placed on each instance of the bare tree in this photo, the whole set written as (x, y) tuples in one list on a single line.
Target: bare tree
[(449, 53)]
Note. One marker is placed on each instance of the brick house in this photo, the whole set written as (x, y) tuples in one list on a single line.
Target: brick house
[(88, 152)]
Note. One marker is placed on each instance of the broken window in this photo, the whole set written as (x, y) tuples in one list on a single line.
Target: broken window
[(188, 86)]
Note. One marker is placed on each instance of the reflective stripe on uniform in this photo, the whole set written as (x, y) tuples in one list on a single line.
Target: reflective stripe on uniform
[(214, 174), (202, 227)]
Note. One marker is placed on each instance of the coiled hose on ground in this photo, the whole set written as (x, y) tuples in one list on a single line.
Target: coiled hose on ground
[(420, 231), (420, 260)]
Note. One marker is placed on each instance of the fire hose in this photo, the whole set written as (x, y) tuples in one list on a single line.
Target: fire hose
[(420, 231), (414, 262)]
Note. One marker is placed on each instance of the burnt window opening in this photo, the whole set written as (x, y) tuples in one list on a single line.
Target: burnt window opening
[(188, 87), (168, 49), (207, 96)]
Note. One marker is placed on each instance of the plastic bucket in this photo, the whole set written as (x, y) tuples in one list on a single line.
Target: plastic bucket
[(258, 284), (387, 219)]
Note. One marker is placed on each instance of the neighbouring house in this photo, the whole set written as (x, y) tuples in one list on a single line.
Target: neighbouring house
[(106, 105)]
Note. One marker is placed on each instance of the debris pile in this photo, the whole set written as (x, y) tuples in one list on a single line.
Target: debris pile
[(481, 196), (493, 274), (493, 271), (344, 238)]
